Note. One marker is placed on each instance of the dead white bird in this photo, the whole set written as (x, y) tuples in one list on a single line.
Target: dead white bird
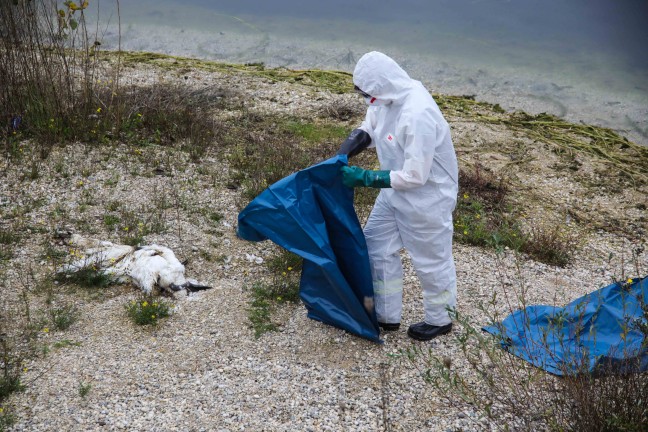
[(145, 266)]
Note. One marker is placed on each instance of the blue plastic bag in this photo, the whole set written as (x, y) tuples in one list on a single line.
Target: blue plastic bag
[(597, 333), (310, 213)]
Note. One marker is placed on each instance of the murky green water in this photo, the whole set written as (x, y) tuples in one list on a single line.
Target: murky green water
[(585, 60)]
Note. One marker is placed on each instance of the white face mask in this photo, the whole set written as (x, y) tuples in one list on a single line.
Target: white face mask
[(372, 101)]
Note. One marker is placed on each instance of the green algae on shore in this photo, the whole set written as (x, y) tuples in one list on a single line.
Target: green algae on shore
[(602, 143)]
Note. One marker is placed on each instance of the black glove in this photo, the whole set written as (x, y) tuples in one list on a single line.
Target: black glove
[(357, 141)]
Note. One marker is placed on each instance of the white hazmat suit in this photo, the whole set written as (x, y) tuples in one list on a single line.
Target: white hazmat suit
[(413, 142)]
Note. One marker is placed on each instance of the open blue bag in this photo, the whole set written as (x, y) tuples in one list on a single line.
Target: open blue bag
[(596, 333), (310, 213)]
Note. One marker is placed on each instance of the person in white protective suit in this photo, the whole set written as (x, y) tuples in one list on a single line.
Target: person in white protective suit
[(419, 181)]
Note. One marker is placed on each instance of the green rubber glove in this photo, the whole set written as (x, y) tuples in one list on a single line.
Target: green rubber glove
[(353, 176)]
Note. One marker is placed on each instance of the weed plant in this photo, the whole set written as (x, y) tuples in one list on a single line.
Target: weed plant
[(484, 217), (148, 310), (65, 343), (481, 216), (9, 383), (8, 237), (17, 335), (84, 389), (63, 317), (10, 364), (88, 276), (285, 269), (7, 419), (551, 245), (259, 312), (133, 228)]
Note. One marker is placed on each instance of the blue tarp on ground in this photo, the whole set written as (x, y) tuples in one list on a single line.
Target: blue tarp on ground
[(311, 214), (596, 333)]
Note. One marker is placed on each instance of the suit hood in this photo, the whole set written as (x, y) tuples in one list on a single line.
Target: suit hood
[(381, 77)]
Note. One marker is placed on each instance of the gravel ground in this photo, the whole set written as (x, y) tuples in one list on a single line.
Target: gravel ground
[(202, 369)]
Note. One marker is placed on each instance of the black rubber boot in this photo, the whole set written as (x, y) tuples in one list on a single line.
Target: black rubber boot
[(424, 332), (389, 327)]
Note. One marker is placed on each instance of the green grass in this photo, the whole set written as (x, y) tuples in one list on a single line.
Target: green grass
[(84, 389), (475, 225), (9, 383), (215, 216), (551, 245), (133, 227), (111, 221), (285, 272), (63, 317), (334, 81), (6, 253), (148, 310), (8, 237), (484, 217), (262, 150), (65, 343), (87, 277), (7, 419), (259, 312), (285, 268), (317, 133)]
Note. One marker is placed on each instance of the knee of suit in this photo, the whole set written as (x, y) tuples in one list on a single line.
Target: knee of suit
[(434, 271)]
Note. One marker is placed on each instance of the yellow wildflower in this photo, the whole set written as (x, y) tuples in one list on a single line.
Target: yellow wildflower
[(125, 228), (629, 280), (289, 268), (153, 316), (283, 273), (465, 196), (46, 330), (99, 110), (144, 303), (465, 232)]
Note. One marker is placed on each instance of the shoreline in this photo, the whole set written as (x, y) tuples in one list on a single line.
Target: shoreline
[(568, 97)]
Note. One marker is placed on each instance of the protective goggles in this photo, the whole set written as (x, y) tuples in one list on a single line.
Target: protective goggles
[(363, 94)]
